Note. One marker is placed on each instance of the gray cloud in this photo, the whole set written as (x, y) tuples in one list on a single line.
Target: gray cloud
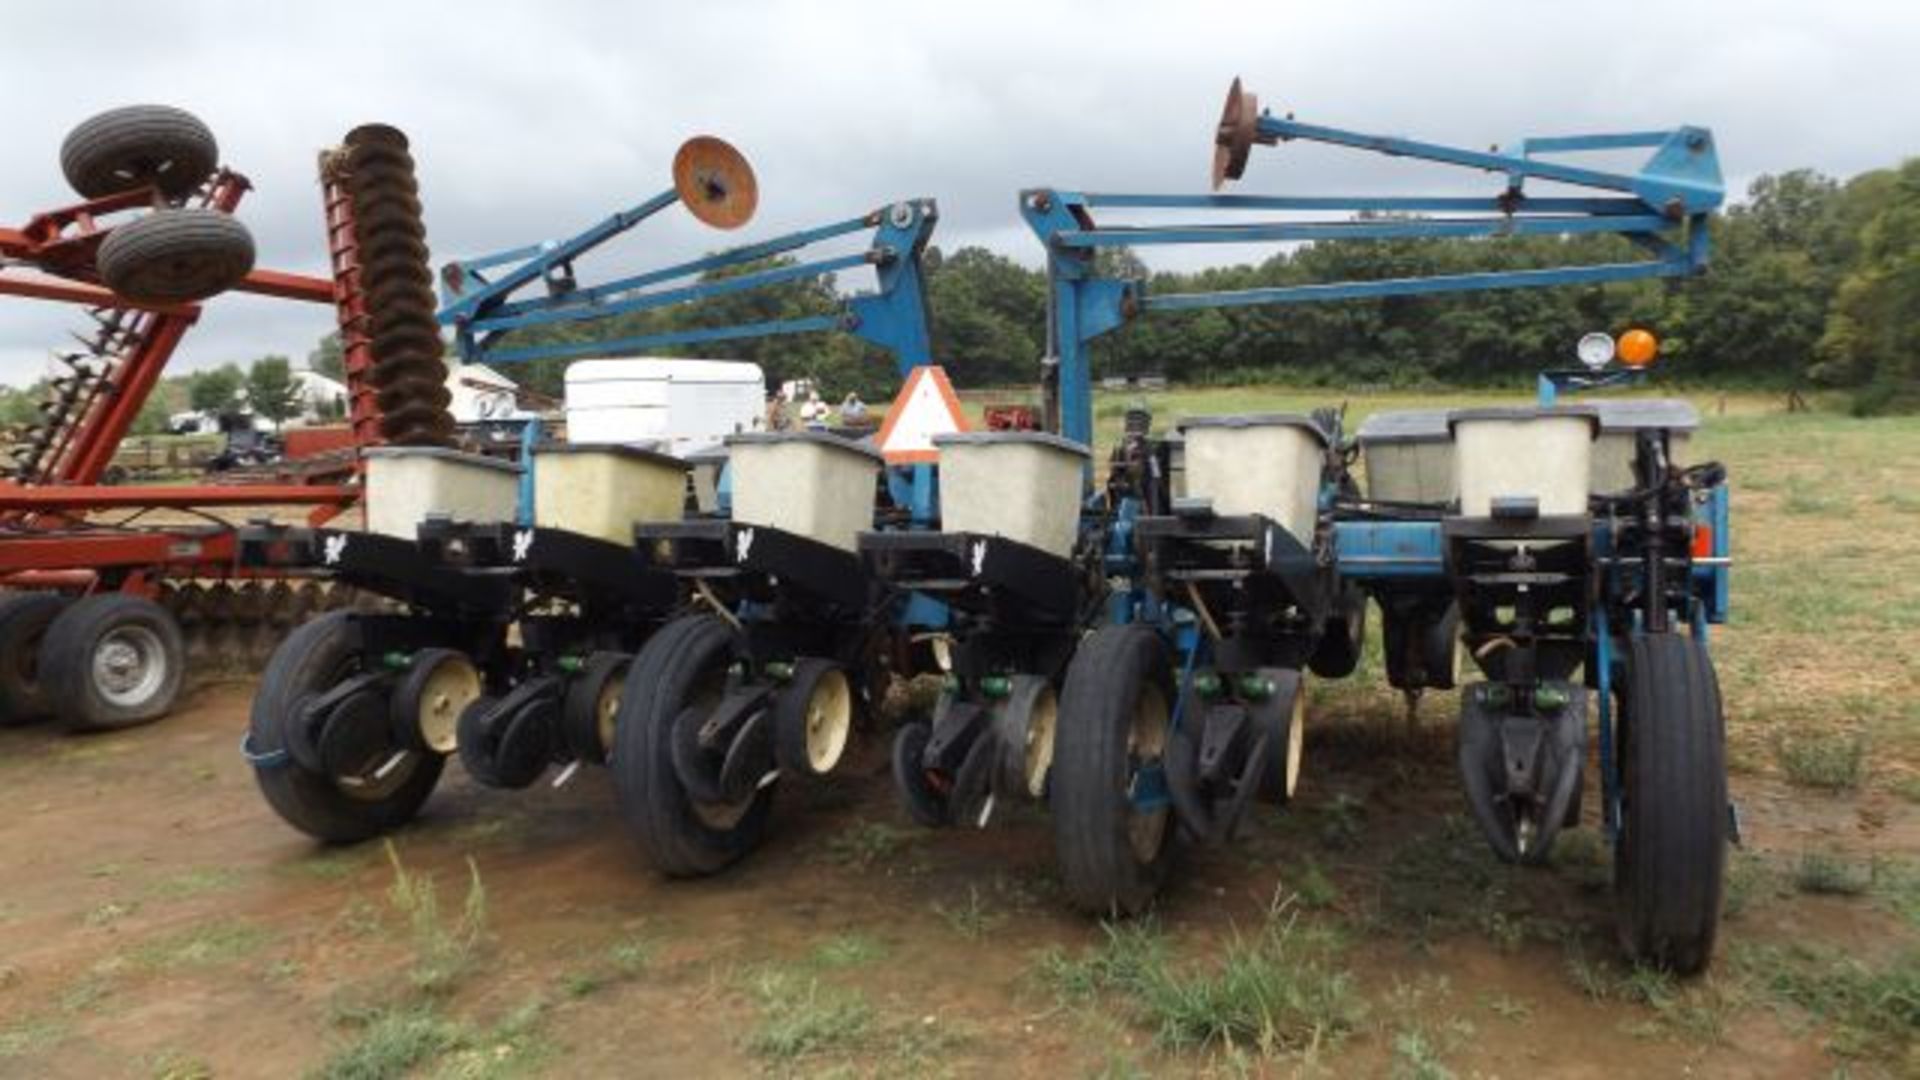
[(530, 120)]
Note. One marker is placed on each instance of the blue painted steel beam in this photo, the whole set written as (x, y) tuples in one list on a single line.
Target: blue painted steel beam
[(1363, 229), (634, 346), (1363, 203), (556, 255), (1354, 290)]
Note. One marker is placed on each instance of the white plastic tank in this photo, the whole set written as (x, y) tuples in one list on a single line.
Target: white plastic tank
[(1620, 424), (1544, 454), (601, 491), (1023, 485), (1408, 456), (1266, 463), (684, 405), (809, 483), (408, 484)]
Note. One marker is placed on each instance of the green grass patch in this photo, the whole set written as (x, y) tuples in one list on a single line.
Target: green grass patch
[(1820, 873), (444, 947), (193, 883), (802, 1017), (392, 1043), (868, 845), (1274, 992), (1832, 761), (1874, 1009), (209, 944), (972, 918), (851, 949)]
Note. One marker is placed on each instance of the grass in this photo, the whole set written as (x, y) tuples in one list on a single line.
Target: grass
[(1821, 873), (1273, 992), (1873, 1009), (800, 1016), (392, 1043), (868, 845), (973, 919), (851, 949), (210, 944), (1832, 761), (443, 949)]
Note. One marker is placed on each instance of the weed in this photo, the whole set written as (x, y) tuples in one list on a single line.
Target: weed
[(579, 984), (1416, 1058), (801, 1017), (1803, 498), (1510, 1008), (26, 1036), (868, 845), (1590, 977), (631, 956), (1825, 760), (442, 951), (1276, 991), (851, 949), (392, 1043), (971, 920), (1583, 856), (1822, 874), (111, 912), (174, 1065), (1908, 788), (1314, 889), (1749, 882), (1342, 822), (208, 945), (193, 883), (1872, 1008)]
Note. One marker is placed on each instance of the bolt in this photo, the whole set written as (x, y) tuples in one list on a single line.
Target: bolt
[(1207, 683), (996, 686), (779, 670), (1257, 687)]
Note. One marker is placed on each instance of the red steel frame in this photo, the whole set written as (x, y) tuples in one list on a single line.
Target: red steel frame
[(46, 541)]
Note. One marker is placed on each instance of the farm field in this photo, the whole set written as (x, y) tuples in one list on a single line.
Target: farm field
[(156, 920)]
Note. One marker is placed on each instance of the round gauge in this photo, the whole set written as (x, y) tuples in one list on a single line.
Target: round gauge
[(1595, 350)]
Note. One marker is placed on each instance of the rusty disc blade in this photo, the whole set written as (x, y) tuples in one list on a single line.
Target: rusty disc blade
[(715, 182), (1233, 139)]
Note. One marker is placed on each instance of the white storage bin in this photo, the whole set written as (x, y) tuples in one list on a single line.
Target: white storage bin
[(1267, 464), (1545, 454), (1620, 424), (408, 484), (602, 490), (1408, 456), (808, 483), (1023, 485)]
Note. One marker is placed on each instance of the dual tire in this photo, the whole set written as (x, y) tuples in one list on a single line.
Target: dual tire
[(99, 663)]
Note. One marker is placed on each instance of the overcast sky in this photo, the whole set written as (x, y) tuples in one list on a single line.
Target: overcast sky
[(531, 119)]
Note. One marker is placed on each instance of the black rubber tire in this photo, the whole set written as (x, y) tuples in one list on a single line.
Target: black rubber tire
[(1429, 644), (67, 661), (125, 148), (1343, 638), (1099, 866), (1671, 853), (312, 659), (580, 709), (24, 618), (918, 798), (685, 662), (175, 256)]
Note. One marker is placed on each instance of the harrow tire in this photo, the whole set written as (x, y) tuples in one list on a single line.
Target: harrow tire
[(683, 666), (176, 256), (310, 661), (1422, 654), (24, 619), (111, 661), (1671, 852), (918, 797), (126, 148), (1113, 860)]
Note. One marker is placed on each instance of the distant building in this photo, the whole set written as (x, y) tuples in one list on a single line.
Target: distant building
[(319, 395)]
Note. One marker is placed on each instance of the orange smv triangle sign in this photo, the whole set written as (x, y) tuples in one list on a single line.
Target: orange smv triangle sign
[(926, 406)]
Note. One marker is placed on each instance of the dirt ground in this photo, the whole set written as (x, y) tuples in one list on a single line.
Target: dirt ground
[(157, 920)]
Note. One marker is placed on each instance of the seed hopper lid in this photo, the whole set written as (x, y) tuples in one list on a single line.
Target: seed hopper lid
[(1587, 413), (821, 438), (1012, 438), (1635, 414), (1257, 420), (1403, 426), (650, 452), (455, 457)]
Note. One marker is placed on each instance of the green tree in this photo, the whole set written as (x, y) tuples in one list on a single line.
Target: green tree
[(214, 390), (328, 358), (1872, 338), (271, 390)]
